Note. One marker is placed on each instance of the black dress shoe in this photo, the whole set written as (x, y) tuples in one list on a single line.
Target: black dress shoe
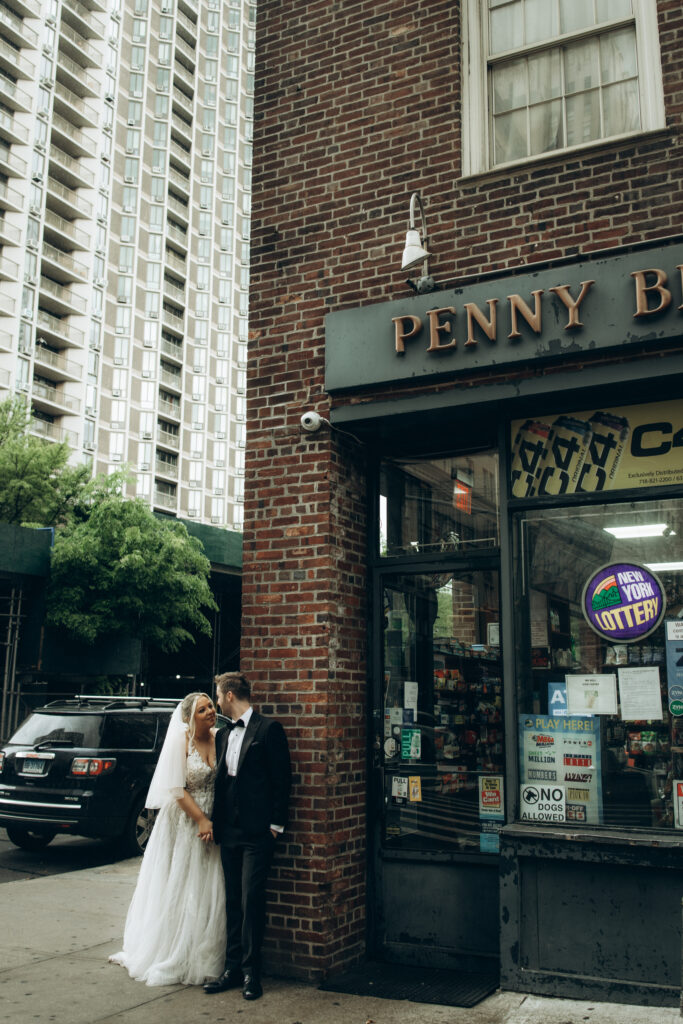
[(252, 987), (232, 978)]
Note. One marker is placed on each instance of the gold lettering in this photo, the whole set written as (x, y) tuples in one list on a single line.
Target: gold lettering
[(642, 289), (487, 326), (436, 328), (401, 334), (518, 305), (562, 291)]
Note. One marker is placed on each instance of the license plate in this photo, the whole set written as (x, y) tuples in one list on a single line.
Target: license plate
[(33, 767)]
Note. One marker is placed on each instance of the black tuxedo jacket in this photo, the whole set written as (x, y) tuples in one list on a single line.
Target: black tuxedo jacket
[(258, 795)]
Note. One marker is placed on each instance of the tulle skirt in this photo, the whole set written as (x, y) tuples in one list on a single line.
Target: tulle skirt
[(175, 928)]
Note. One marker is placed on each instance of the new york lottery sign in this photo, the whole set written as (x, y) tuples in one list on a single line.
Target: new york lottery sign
[(623, 602)]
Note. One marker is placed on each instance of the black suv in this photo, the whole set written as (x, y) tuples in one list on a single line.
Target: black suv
[(83, 767)]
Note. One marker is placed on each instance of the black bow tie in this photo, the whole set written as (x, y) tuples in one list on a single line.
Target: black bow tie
[(239, 724)]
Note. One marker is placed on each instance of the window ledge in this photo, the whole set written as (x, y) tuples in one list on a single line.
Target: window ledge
[(563, 155), (601, 837)]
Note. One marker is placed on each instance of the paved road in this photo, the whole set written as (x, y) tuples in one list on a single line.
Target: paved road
[(65, 853)]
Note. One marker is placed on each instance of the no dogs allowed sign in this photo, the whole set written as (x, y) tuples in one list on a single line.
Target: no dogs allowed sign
[(542, 803)]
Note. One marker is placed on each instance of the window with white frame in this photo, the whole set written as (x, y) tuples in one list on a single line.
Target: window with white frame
[(542, 76)]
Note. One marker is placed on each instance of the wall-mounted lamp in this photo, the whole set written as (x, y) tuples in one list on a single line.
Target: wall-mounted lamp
[(415, 251)]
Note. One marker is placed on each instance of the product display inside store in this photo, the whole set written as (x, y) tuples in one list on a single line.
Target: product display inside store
[(600, 665)]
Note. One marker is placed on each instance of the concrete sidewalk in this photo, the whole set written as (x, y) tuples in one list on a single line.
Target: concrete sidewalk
[(57, 932)]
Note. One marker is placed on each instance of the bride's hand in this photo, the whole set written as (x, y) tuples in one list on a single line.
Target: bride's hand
[(205, 830)]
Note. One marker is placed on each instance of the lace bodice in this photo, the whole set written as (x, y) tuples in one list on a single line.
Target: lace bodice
[(199, 780)]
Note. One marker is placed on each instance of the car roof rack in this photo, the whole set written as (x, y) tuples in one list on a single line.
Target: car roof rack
[(84, 700)]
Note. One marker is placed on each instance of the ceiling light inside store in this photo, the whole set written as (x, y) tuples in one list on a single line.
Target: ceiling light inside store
[(664, 566), (646, 530)]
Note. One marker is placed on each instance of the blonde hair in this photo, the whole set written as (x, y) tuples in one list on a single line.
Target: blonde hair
[(188, 706)]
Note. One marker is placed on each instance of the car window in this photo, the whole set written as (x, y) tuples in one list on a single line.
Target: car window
[(43, 727), (129, 731)]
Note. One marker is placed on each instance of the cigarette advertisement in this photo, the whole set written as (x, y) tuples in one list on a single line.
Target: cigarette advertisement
[(597, 450), (560, 769)]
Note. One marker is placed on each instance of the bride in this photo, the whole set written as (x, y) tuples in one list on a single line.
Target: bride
[(175, 928)]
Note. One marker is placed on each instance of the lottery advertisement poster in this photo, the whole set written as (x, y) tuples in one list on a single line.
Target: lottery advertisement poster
[(564, 752), (597, 450)]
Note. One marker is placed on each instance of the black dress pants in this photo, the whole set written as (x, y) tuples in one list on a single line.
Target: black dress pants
[(246, 862)]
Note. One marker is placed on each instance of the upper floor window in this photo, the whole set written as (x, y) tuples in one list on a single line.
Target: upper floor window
[(548, 75)]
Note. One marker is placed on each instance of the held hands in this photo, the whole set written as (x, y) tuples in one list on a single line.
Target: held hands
[(205, 830)]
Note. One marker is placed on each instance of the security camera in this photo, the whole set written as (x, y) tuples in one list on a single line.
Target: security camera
[(311, 421)]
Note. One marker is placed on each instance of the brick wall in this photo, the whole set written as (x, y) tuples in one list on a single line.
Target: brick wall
[(357, 106)]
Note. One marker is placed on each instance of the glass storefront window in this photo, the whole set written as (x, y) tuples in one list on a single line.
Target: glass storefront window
[(601, 714), (440, 740), (439, 505)]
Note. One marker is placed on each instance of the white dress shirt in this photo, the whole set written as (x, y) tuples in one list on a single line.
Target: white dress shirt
[(235, 741)]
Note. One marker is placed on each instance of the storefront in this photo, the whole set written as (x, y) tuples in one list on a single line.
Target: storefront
[(526, 626)]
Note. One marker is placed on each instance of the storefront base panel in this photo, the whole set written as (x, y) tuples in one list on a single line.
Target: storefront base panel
[(591, 917), (444, 915)]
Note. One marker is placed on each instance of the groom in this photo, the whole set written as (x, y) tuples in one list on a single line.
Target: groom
[(249, 813)]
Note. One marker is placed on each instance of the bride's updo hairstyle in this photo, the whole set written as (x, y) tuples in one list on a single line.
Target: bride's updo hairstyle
[(188, 706)]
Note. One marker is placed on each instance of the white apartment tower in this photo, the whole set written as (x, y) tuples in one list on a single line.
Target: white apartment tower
[(125, 183)]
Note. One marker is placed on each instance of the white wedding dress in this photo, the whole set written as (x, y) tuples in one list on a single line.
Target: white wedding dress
[(175, 928)]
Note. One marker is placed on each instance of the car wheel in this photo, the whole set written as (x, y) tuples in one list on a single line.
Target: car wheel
[(27, 839), (139, 829)]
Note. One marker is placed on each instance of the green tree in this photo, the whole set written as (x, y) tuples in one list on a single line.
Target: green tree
[(123, 570), (37, 484)]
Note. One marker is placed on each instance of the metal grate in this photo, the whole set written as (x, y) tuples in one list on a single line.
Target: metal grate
[(418, 984)]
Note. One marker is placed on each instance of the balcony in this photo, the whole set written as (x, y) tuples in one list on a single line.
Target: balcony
[(182, 155), (9, 271), (167, 469), (174, 350), (62, 266), (169, 409), (185, 53), (10, 199), (74, 77), (168, 439), (181, 128), (77, 47), (11, 130), (59, 299), (180, 181), (69, 171), (67, 200), (80, 18), (183, 75), (58, 330), (180, 100), (63, 230), (175, 233), (11, 164), (174, 262), (171, 380), (6, 342), (53, 400), (15, 63), (7, 306), (53, 432), (187, 28), (26, 8), (14, 97), (180, 209), (71, 139), (56, 366), (174, 292), (9, 235), (4, 377), (17, 31), (163, 500), (74, 107), (173, 322)]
